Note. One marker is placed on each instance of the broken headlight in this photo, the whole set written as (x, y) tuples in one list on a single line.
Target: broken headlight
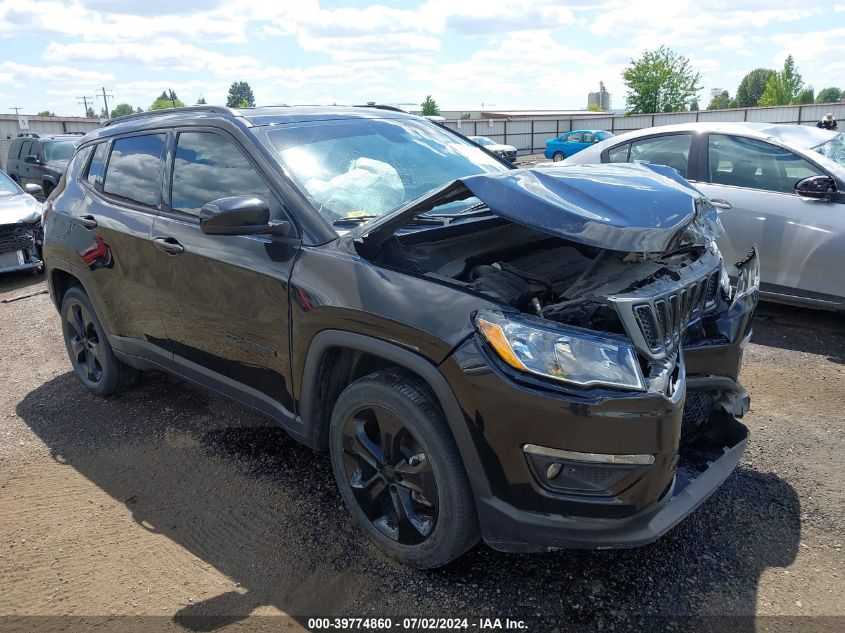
[(563, 353)]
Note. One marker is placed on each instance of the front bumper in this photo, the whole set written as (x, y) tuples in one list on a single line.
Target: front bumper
[(19, 247), (691, 432)]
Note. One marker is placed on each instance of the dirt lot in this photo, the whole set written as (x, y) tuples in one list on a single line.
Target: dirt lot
[(171, 501)]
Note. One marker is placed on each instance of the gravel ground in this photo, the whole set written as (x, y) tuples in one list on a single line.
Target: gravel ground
[(170, 501)]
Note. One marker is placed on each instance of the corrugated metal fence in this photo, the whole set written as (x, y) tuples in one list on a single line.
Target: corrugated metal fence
[(529, 135), (10, 128)]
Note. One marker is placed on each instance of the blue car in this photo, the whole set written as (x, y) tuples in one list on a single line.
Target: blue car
[(573, 142)]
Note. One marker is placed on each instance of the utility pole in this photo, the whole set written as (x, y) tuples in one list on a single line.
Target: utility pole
[(105, 98), (84, 103), (16, 109)]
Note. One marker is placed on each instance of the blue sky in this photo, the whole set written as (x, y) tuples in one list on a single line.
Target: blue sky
[(514, 53)]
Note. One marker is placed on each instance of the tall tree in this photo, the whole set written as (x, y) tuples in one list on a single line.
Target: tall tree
[(90, 113), (660, 81), (720, 101), (429, 107), (167, 99), (693, 105), (201, 100), (829, 95), (240, 95), (752, 87), (122, 109), (807, 95), (784, 86)]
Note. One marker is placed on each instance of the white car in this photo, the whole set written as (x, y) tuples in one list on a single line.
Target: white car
[(508, 152), (20, 226), (779, 186)]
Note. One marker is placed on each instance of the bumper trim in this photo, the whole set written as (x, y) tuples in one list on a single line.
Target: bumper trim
[(589, 458)]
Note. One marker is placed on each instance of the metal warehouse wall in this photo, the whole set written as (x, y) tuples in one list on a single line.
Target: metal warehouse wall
[(529, 135), (9, 128)]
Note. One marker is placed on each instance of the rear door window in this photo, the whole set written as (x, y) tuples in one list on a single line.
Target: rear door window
[(209, 166), (671, 150), (575, 137), (134, 169), (746, 162), (26, 146), (98, 165)]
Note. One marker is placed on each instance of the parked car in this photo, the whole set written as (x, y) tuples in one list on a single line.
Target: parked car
[(485, 352), (779, 186), (40, 159), (20, 226), (508, 152), (573, 142)]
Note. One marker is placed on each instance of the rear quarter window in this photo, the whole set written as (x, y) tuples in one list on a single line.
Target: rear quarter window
[(98, 165)]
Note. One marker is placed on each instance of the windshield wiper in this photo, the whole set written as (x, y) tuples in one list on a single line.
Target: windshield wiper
[(353, 219)]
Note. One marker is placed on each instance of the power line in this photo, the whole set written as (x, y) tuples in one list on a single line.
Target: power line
[(84, 102), (16, 109)]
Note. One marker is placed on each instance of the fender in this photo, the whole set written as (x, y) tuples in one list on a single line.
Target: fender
[(328, 339), (51, 179)]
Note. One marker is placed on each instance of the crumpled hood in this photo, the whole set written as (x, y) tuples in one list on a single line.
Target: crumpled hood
[(622, 207), (18, 207)]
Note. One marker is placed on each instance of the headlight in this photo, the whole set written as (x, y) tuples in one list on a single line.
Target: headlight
[(562, 353)]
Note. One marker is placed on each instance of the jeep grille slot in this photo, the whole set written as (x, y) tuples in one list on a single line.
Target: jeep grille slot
[(662, 320)]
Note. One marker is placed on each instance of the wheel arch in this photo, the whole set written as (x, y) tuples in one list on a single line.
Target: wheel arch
[(329, 355)]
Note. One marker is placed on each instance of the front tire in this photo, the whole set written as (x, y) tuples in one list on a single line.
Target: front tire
[(88, 348), (558, 156), (399, 471)]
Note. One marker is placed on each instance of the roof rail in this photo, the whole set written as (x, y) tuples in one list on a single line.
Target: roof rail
[(29, 134), (197, 108), (379, 106)]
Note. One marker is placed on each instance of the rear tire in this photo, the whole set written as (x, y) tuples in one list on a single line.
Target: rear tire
[(558, 156), (88, 348), (399, 471)]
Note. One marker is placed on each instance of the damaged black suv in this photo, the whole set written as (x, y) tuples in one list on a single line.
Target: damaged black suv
[(537, 359)]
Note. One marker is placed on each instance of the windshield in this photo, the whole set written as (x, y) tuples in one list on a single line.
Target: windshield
[(361, 168), (58, 150), (834, 149), (7, 185), (482, 140)]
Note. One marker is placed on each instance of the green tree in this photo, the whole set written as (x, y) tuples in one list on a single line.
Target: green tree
[(807, 95), (660, 81), (829, 95), (429, 107), (90, 113), (594, 107), (752, 87), (240, 95), (693, 105), (167, 99), (201, 100), (784, 86), (46, 113), (720, 101), (122, 109)]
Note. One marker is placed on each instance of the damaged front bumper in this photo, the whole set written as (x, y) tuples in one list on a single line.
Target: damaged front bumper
[(601, 468), (19, 246)]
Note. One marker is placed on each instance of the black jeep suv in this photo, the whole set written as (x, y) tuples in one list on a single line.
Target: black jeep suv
[(40, 159), (536, 358)]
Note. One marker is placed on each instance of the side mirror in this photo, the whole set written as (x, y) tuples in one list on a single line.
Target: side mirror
[(32, 159), (33, 189), (240, 215), (819, 187)]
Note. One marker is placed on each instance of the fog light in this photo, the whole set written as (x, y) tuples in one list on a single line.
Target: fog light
[(553, 471)]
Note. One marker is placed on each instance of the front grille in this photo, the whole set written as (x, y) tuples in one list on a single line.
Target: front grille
[(656, 316), (18, 237)]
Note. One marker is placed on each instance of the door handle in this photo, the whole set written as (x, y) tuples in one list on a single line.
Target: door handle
[(87, 221), (721, 204), (168, 245)]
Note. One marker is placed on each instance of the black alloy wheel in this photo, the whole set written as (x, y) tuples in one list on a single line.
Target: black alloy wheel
[(88, 347), (390, 475)]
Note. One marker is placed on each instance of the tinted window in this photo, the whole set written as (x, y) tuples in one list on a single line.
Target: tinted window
[(208, 167), (26, 146), (745, 162), (672, 151), (98, 165), (619, 154), (134, 169), (78, 163), (58, 150)]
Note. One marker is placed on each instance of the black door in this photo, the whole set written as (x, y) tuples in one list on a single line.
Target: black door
[(110, 234), (224, 299)]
